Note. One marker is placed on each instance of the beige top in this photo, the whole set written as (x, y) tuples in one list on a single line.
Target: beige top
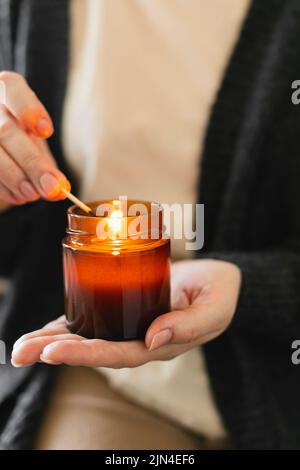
[(143, 77)]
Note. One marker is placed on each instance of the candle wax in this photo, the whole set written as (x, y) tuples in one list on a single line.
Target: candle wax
[(116, 296)]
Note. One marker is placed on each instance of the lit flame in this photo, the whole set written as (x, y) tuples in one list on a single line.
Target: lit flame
[(115, 222), (115, 219)]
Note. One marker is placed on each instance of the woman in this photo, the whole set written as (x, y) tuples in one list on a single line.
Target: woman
[(133, 83)]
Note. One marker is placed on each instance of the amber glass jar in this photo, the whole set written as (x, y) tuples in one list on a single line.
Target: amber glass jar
[(115, 288)]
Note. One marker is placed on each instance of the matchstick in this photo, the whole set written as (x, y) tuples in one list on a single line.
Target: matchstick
[(77, 201)]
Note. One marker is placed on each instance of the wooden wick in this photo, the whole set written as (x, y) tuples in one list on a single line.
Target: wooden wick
[(77, 201)]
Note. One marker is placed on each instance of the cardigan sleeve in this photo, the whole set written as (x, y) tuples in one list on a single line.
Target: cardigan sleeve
[(13, 223), (269, 302), (11, 235)]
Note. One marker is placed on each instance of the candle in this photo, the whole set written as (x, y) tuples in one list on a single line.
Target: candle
[(116, 269)]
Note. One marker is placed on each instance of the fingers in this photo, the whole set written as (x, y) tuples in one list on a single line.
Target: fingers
[(58, 322), (24, 105), (7, 198), (195, 315), (95, 353), (27, 169), (74, 350), (182, 327), (101, 353), (14, 181), (206, 295), (49, 330), (29, 351)]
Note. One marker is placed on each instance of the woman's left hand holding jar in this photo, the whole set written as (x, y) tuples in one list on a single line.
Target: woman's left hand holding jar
[(205, 295)]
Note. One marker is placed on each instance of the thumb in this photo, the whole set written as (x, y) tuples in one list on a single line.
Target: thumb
[(180, 326)]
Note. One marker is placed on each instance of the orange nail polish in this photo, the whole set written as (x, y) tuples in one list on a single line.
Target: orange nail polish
[(44, 128), (50, 185)]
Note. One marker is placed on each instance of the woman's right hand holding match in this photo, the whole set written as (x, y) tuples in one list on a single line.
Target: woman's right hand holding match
[(27, 169)]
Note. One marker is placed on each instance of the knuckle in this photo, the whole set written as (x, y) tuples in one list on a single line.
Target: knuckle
[(191, 335), (30, 160), (11, 171)]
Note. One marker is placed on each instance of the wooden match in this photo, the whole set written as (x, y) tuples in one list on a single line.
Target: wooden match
[(77, 201)]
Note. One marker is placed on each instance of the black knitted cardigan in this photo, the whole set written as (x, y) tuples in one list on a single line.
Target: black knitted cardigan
[(250, 185)]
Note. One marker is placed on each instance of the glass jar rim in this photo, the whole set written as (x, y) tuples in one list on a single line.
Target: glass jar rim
[(81, 223), (76, 212)]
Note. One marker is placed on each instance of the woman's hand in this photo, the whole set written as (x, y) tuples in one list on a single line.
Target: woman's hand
[(27, 168), (204, 302)]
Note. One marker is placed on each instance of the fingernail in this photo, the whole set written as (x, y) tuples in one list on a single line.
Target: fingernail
[(14, 363), (44, 127), (66, 186), (161, 339), (50, 185), (17, 343), (64, 183), (19, 199), (28, 190), (49, 361), (19, 364)]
